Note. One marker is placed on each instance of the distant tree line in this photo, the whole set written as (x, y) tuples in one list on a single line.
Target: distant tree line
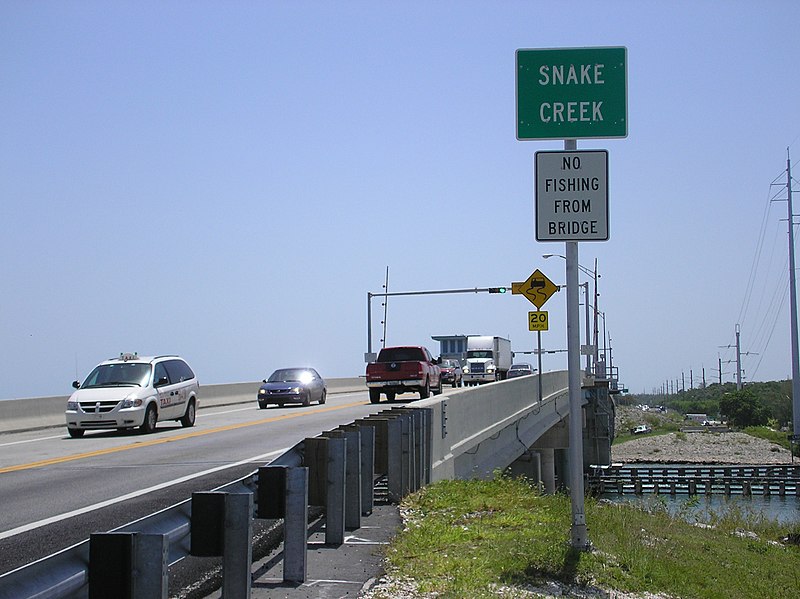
[(756, 404)]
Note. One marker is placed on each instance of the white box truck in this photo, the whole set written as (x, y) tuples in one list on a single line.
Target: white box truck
[(488, 359)]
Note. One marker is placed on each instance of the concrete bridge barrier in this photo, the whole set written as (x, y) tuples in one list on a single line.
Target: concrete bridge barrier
[(48, 412)]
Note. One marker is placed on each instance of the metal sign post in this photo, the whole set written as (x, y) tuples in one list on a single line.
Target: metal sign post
[(579, 535), (569, 94)]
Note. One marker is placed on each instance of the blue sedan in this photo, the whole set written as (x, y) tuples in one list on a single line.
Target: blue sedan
[(292, 385)]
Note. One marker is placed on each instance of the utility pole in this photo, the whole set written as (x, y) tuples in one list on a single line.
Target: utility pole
[(738, 361), (793, 304), (719, 359)]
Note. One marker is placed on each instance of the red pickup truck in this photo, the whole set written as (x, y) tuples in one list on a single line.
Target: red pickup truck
[(403, 370)]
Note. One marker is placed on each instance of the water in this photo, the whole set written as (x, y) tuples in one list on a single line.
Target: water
[(700, 508)]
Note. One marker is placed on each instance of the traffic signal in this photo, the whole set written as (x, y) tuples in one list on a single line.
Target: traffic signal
[(497, 289)]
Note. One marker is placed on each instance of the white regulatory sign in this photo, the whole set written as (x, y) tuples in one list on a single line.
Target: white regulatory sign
[(571, 195)]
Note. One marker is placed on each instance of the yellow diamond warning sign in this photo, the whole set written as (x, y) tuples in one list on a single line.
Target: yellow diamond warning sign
[(537, 289)]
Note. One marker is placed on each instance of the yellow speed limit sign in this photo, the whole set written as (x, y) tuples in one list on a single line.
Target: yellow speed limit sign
[(537, 321)]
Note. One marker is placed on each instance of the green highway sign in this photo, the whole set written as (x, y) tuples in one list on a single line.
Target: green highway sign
[(572, 93)]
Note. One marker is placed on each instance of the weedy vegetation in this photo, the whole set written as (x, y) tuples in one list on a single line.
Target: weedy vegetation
[(487, 538)]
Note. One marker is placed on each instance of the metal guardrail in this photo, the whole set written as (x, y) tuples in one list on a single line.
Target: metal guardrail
[(336, 470)]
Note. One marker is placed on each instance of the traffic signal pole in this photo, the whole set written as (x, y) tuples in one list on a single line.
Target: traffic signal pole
[(370, 295)]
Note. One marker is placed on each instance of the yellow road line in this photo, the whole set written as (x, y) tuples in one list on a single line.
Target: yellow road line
[(150, 443)]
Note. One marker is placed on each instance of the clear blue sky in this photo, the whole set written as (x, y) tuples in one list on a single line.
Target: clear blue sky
[(227, 181)]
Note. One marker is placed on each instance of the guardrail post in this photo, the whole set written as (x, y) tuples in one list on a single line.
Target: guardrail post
[(421, 419), (352, 486), (283, 493), (367, 469), (395, 470), (380, 427), (129, 565), (221, 526), (325, 458)]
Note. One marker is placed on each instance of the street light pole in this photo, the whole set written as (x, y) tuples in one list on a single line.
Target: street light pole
[(596, 345), (588, 355), (594, 274)]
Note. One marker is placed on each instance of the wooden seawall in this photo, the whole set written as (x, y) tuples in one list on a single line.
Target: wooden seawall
[(778, 480)]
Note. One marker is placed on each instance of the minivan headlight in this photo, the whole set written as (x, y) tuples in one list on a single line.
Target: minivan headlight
[(72, 405), (131, 402)]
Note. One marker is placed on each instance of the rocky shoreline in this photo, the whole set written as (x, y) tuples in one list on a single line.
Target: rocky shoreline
[(700, 448)]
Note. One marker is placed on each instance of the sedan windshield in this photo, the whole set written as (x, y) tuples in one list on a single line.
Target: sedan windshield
[(118, 375), (291, 375)]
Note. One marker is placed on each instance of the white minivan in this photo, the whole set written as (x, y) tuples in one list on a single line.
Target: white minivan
[(133, 391)]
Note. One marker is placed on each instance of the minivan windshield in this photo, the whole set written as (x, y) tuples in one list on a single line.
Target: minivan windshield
[(125, 374)]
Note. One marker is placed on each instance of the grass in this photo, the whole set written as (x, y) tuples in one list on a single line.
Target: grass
[(770, 434), (472, 538)]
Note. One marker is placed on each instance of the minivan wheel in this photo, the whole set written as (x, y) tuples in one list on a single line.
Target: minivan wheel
[(75, 433), (150, 419), (189, 416)]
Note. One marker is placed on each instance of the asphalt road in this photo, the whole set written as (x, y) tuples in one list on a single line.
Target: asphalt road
[(55, 491)]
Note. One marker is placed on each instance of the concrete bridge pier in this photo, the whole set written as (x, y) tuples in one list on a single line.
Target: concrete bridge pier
[(548, 458)]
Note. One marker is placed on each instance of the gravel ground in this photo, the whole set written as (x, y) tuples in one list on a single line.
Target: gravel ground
[(701, 448)]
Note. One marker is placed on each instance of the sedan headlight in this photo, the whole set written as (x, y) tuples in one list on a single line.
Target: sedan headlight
[(262, 391), (297, 390)]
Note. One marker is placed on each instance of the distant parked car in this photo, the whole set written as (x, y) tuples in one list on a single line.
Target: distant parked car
[(451, 372), (292, 385), (521, 369), (641, 429)]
